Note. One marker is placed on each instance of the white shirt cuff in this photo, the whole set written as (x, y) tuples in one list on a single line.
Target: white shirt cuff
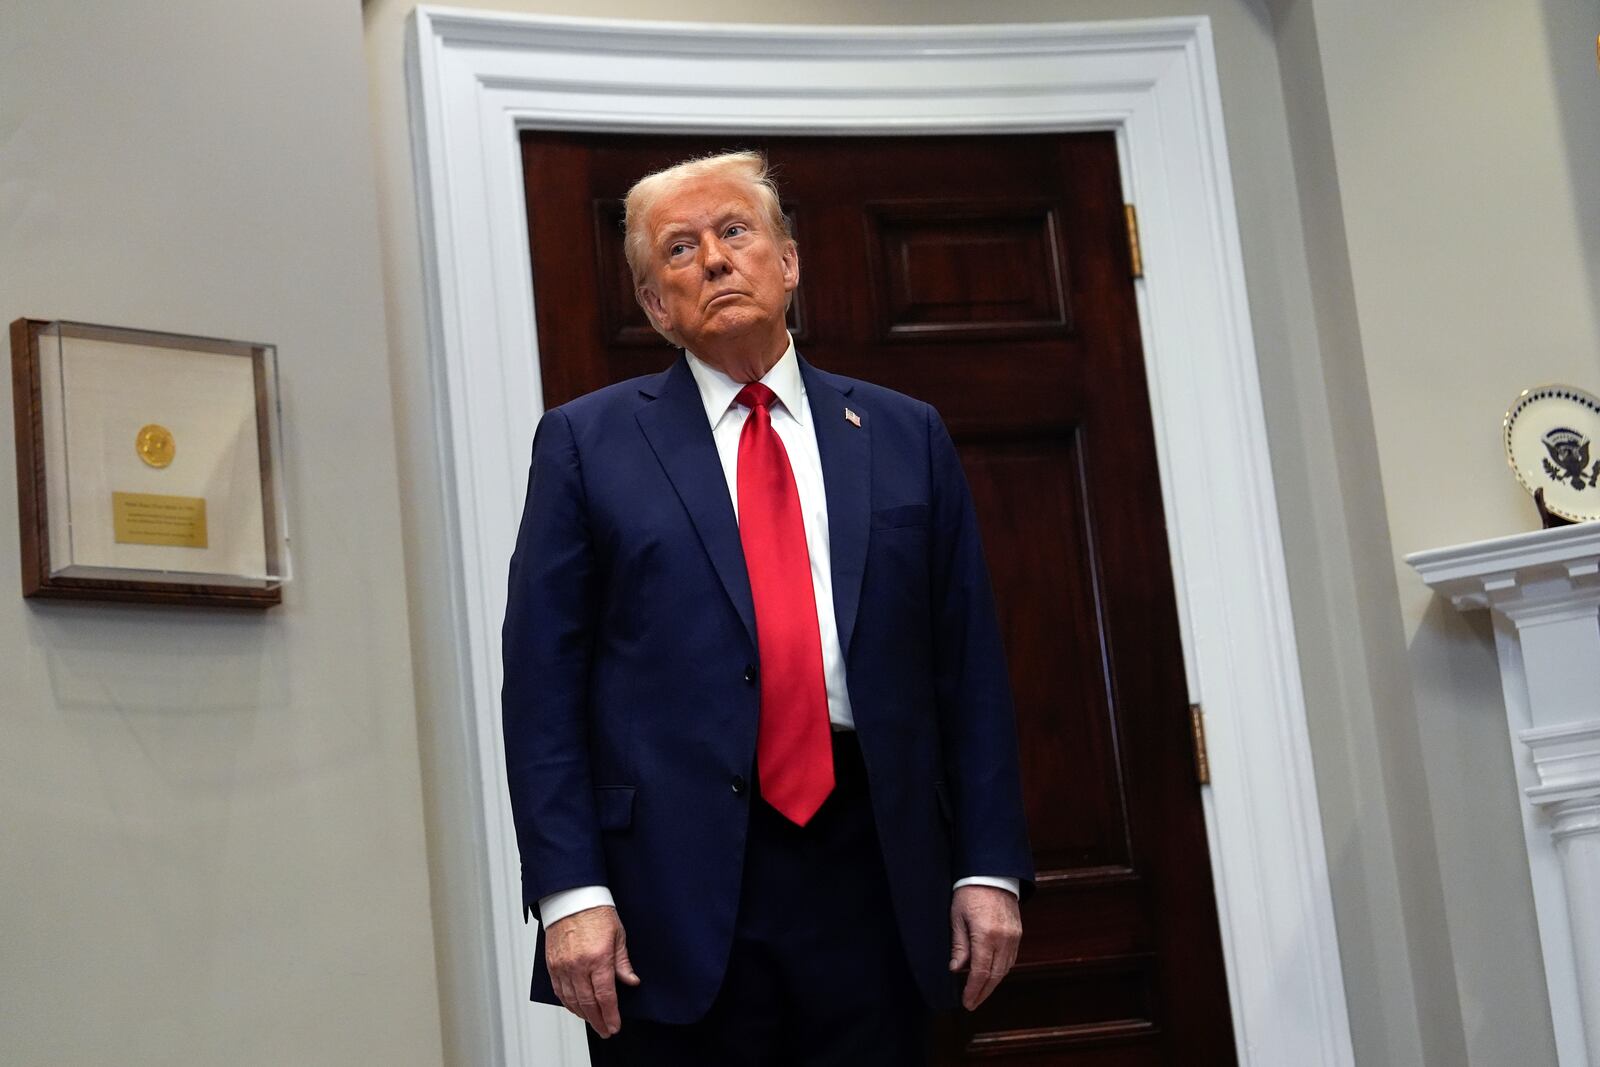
[(1011, 884), (557, 906)]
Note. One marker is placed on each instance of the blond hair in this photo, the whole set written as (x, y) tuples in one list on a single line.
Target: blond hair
[(749, 167)]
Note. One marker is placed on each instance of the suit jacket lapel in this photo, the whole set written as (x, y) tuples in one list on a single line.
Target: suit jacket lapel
[(846, 450), (675, 425)]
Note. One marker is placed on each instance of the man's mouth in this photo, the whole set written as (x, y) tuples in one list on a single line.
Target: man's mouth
[(724, 295)]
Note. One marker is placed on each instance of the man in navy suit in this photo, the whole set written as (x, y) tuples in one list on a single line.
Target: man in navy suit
[(759, 736)]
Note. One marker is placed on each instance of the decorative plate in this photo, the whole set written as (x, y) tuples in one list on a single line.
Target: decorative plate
[(1548, 435)]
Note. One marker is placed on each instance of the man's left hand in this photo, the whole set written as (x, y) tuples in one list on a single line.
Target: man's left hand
[(985, 930)]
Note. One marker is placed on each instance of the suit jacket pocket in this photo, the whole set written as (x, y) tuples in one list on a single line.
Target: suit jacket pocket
[(614, 804), (901, 515)]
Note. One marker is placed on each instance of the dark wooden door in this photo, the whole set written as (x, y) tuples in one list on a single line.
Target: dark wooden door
[(991, 277)]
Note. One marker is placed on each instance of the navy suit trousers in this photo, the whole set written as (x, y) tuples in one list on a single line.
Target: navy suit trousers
[(817, 976)]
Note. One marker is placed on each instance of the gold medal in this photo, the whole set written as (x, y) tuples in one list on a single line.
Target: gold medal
[(155, 445)]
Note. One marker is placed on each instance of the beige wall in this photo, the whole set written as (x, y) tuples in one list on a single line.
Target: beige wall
[(211, 846), (1468, 181), (1396, 946)]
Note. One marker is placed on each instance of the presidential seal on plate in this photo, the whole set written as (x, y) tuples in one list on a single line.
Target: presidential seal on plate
[(1550, 436)]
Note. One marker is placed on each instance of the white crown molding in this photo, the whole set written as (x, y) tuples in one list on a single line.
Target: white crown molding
[(587, 36), (1543, 588), (476, 79)]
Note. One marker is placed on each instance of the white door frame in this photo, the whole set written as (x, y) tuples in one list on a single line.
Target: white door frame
[(476, 79)]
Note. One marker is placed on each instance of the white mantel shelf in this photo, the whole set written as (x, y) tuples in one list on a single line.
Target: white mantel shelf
[(1543, 590), (1487, 573)]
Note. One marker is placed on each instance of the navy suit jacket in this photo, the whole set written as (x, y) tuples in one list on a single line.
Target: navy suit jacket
[(630, 700)]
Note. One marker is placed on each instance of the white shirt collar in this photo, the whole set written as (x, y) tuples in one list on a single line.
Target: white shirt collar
[(717, 390)]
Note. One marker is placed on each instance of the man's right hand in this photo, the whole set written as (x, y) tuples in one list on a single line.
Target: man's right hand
[(586, 952)]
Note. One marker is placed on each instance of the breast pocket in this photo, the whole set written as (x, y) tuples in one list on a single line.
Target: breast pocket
[(900, 516)]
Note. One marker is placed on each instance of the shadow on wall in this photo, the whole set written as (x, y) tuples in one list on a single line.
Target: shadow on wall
[(1571, 27), (1488, 896), (179, 694)]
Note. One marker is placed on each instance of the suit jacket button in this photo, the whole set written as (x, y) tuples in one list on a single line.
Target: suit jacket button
[(738, 785), (750, 673)]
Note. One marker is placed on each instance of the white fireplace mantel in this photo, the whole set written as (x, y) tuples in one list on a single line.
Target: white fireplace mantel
[(1543, 590)]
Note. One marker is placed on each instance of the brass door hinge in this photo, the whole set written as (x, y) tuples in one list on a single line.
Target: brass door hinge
[(1197, 726), (1134, 253)]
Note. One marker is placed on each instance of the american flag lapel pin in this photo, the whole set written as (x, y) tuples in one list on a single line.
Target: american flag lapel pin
[(852, 418)]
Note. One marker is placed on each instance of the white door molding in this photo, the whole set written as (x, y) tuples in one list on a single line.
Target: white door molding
[(476, 79)]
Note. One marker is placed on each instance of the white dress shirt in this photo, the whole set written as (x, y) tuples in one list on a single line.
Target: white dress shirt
[(791, 420)]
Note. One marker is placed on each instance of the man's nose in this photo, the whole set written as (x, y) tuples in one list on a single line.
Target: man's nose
[(716, 257)]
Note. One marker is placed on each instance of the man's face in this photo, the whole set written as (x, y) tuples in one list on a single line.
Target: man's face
[(717, 276)]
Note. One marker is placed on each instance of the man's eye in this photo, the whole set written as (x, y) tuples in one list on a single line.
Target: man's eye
[(677, 249), (735, 230)]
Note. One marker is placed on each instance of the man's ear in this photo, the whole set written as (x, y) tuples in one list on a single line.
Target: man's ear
[(653, 307), (791, 266)]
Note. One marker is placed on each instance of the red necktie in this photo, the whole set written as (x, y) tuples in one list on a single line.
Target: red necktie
[(794, 749)]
